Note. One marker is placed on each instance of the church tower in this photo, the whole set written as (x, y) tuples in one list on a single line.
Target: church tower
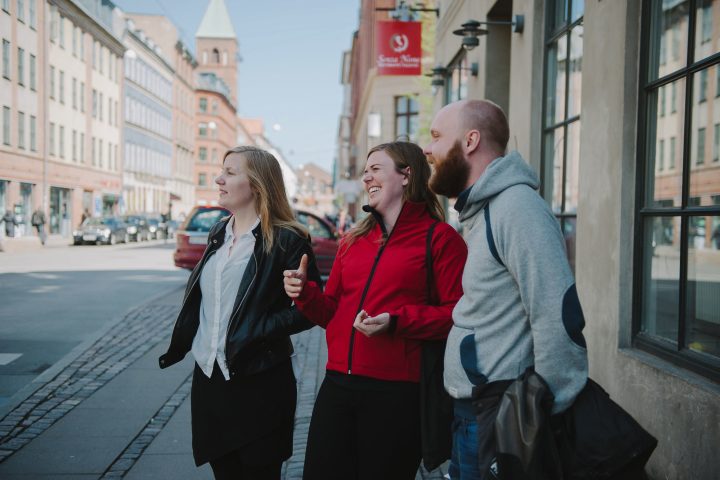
[(216, 46)]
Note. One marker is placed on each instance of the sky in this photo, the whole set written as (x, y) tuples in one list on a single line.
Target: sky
[(290, 71)]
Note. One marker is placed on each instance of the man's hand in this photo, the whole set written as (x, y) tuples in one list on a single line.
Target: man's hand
[(294, 280), (371, 326)]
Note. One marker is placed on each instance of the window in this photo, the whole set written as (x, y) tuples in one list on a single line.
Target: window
[(110, 115), (51, 139), (74, 41), (20, 11), (52, 82), (74, 145), (702, 91), (61, 143), (700, 159), (94, 103), (456, 79), (102, 59), (61, 85), (32, 17), (94, 54), (33, 133), (214, 107), (706, 23), (33, 72), (82, 96), (406, 118), (561, 114), (21, 130), (61, 32), (81, 40), (74, 94), (202, 154), (214, 156), (202, 129), (202, 180), (716, 143), (676, 314), (21, 66), (6, 5), (6, 125), (100, 106), (203, 104), (93, 150), (6, 59), (662, 101), (661, 156), (216, 55), (82, 147), (53, 22)]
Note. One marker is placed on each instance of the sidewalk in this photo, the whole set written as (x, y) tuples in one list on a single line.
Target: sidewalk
[(112, 413), (32, 243)]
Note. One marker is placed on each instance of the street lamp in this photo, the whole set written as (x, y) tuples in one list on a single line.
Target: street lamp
[(471, 30)]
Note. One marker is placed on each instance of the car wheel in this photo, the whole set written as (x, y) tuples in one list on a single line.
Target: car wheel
[(111, 239), (126, 239)]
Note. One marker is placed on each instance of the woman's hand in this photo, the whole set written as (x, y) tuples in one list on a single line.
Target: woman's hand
[(294, 280), (371, 326)]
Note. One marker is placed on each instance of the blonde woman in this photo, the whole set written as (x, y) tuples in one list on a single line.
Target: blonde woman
[(236, 321)]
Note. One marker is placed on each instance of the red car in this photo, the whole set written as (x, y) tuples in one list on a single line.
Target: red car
[(192, 236)]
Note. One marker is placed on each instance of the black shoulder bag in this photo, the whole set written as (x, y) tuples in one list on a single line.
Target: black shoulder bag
[(436, 407)]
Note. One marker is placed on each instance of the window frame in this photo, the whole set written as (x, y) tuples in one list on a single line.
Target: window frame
[(678, 354), (407, 116), (552, 34)]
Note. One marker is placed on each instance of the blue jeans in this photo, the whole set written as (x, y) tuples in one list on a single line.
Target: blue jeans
[(473, 450)]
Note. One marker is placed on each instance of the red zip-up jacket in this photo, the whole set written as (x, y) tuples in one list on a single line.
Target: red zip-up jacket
[(397, 285)]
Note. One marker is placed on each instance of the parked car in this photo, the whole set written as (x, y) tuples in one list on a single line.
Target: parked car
[(138, 228), (191, 237), (107, 230), (156, 228)]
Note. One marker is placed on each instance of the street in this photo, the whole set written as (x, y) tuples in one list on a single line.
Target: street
[(54, 299), (83, 396)]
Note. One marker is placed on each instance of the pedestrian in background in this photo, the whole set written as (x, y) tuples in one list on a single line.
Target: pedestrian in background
[(236, 321), (519, 307), (38, 221), (10, 223), (376, 312)]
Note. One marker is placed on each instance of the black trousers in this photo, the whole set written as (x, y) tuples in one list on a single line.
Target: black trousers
[(364, 433), (232, 467)]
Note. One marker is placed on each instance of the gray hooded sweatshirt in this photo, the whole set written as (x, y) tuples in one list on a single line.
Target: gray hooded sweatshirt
[(519, 307)]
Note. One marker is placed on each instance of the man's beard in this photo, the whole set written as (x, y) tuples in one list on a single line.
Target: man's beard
[(451, 173)]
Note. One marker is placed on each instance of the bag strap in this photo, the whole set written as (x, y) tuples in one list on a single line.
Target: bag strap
[(430, 281)]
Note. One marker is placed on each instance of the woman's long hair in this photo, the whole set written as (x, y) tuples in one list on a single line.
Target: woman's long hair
[(404, 155), (271, 202)]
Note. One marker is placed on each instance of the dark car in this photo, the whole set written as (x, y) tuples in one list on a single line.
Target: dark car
[(138, 228), (192, 235), (157, 228), (107, 230)]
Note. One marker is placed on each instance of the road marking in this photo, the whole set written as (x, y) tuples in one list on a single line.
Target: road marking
[(6, 358)]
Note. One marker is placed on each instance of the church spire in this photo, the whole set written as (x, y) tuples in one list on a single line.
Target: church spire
[(216, 22)]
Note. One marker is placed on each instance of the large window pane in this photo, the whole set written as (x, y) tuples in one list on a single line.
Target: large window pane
[(661, 270), (575, 71), (669, 30), (663, 186), (577, 9), (702, 325), (705, 12), (555, 78), (705, 166), (558, 14), (572, 167), (553, 174)]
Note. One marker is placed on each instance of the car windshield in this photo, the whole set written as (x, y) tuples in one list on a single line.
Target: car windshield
[(204, 219), (133, 220), (94, 222), (153, 221)]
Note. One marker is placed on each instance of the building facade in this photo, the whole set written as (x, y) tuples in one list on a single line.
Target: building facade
[(148, 130), (166, 36), (62, 78), (616, 105), (215, 97)]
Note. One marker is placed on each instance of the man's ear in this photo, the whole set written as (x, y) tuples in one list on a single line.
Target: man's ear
[(471, 142)]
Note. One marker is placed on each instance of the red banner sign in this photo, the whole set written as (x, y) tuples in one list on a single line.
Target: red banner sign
[(399, 48)]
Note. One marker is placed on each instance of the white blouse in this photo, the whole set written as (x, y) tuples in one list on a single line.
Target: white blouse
[(219, 283)]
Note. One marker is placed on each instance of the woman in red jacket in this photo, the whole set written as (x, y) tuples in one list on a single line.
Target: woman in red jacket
[(376, 312)]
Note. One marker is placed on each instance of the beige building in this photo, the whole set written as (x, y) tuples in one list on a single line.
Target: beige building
[(61, 127), (315, 189), (166, 37), (377, 108), (624, 128)]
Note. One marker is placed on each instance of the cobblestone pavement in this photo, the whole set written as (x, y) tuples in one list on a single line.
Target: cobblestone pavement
[(138, 332)]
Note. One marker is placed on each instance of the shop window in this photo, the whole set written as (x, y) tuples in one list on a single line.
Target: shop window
[(561, 114), (677, 271)]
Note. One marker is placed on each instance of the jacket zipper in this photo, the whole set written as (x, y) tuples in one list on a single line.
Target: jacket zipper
[(367, 287)]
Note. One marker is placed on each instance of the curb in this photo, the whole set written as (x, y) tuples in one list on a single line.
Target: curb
[(29, 389)]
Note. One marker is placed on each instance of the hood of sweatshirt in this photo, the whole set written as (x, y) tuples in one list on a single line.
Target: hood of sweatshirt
[(502, 173)]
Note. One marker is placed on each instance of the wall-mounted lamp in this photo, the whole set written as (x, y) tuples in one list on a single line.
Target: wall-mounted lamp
[(471, 30), (439, 73)]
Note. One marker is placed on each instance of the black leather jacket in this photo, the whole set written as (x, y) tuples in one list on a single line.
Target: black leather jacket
[(262, 318)]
